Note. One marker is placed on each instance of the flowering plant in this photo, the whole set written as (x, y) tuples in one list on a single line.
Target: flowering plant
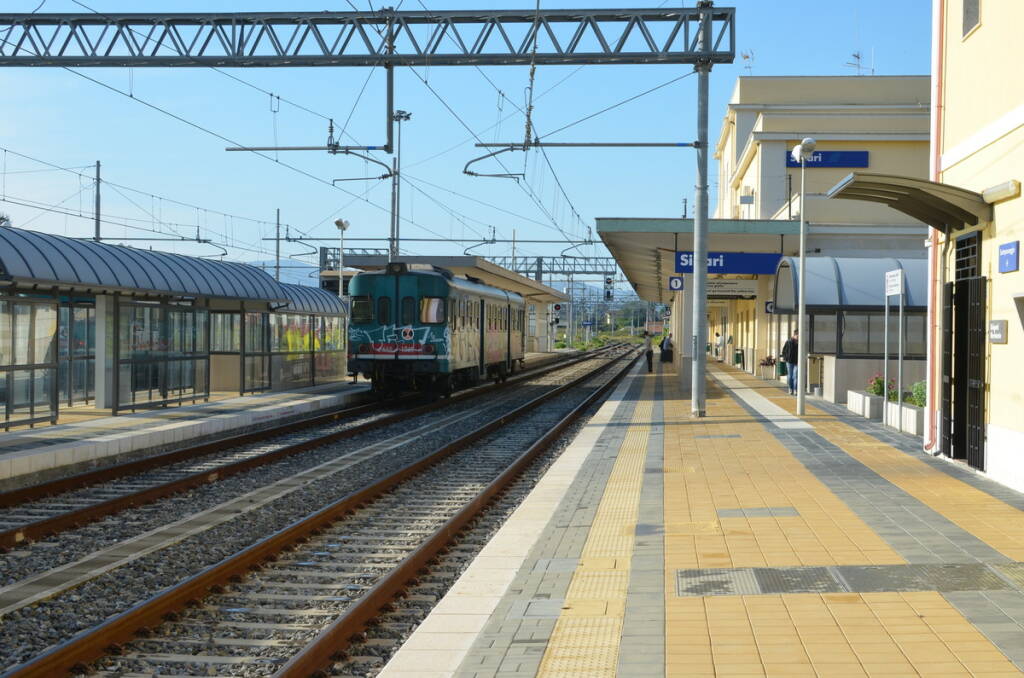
[(876, 385)]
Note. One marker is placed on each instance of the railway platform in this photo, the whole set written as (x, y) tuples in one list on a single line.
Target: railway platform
[(28, 456), (751, 542)]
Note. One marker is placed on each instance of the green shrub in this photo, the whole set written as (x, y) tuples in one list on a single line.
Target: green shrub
[(559, 344), (918, 394)]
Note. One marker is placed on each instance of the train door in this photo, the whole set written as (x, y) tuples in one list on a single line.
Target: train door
[(482, 332), (406, 289), (507, 312)]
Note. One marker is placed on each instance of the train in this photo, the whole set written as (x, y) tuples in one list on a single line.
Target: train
[(418, 327)]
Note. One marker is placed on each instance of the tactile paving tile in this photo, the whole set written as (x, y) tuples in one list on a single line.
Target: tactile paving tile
[(903, 578), (603, 585), (720, 435), (725, 582), (797, 580)]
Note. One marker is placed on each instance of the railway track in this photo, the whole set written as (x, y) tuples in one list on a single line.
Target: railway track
[(92, 589), (322, 579), (44, 510)]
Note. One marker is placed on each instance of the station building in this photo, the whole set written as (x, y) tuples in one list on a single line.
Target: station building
[(87, 324), (976, 214), (878, 123)]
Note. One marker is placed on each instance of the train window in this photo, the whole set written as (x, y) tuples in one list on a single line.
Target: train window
[(384, 310), (408, 310), (362, 310), (432, 310)]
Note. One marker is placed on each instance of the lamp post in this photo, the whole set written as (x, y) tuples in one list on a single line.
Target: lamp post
[(396, 165), (342, 225), (802, 151)]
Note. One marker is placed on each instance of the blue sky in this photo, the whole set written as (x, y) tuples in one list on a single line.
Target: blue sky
[(64, 119)]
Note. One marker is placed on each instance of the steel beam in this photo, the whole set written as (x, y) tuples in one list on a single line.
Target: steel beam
[(421, 38)]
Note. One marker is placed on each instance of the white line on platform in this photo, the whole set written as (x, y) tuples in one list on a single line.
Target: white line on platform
[(762, 405)]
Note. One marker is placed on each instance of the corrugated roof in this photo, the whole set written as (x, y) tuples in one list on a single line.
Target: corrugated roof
[(835, 283), (29, 257), (306, 299)]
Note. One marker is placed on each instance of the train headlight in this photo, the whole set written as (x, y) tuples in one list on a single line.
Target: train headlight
[(429, 348), (364, 348)]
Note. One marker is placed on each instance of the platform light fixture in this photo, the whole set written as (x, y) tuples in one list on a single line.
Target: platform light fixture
[(801, 153)]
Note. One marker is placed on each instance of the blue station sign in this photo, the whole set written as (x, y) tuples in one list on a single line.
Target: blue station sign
[(1009, 256), (732, 262), (832, 159), (675, 283)]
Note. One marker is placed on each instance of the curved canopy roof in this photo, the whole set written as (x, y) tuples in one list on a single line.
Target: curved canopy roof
[(306, 299), (836, 284), (947, 208), (32, 258)]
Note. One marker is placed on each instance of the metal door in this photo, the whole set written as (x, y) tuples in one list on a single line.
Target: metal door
[(975, 387), (947, 370)]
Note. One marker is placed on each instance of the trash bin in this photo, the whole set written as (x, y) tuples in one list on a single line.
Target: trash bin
[(780, 369), (737, 357)]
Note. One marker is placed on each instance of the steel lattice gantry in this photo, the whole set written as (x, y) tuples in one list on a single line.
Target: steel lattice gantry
[(412, 38), (552, 266)]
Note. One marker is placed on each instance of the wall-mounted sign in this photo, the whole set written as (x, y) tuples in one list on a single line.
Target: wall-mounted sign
[(1009, 256), (724, 288), (746, 263), (997, 331), (675, 283), (587, 323), (832, 159), (769, 307), (894, 282)]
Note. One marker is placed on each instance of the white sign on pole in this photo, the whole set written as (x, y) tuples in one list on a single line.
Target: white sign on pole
[(894, 282)]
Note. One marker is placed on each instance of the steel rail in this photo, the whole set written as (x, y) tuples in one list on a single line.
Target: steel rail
[(73, 519), (75, 654), (316, 657)]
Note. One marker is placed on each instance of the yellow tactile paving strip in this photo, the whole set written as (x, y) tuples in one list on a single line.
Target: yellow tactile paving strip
[(750, 470), (877, 634), (994, 522), (585, 640)]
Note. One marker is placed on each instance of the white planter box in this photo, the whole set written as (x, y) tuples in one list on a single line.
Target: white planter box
[(912, 418), (864, 404)]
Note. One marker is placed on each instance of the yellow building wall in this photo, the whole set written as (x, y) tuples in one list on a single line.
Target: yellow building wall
[(981, 72), (981, 143)]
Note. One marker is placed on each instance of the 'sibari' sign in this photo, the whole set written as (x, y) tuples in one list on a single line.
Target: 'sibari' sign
[(831, 159), (1009, 256), (748, 263)]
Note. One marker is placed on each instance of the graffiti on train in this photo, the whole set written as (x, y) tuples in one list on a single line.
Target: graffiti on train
[(401, 339)]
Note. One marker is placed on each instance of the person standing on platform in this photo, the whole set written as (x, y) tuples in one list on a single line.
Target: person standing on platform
[(649, 351), (719, 347), (791, 355), (666, 348)]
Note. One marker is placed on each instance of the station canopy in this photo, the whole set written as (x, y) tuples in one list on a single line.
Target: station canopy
[(941, 206), (645, 248), (835, 284), (43, 261), (307, 299), (532, 291)]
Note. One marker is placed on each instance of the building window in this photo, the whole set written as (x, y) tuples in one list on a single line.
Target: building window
[(968, 256), (823, 333), (972, 15)]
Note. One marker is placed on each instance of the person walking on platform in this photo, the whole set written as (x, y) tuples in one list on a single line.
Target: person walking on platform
[(666, 348), (719, 347), (649, 351), (791, 355)]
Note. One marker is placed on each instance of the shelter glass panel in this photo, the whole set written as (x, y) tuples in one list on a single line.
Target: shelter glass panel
[(823, 333)]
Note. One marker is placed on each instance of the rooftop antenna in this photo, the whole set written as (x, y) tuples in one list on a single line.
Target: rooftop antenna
[(748, 61), (858, 64)]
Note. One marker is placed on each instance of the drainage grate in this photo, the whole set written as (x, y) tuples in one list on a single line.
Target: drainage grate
[(738, 582), (797, 580), (941, 578), (763, 512), (849, 579)]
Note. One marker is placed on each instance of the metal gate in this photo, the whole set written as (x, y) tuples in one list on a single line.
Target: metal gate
[(947, 370), (976, 331), (963, 370)]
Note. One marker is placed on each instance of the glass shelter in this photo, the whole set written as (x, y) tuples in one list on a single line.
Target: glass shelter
[(84, 323)]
